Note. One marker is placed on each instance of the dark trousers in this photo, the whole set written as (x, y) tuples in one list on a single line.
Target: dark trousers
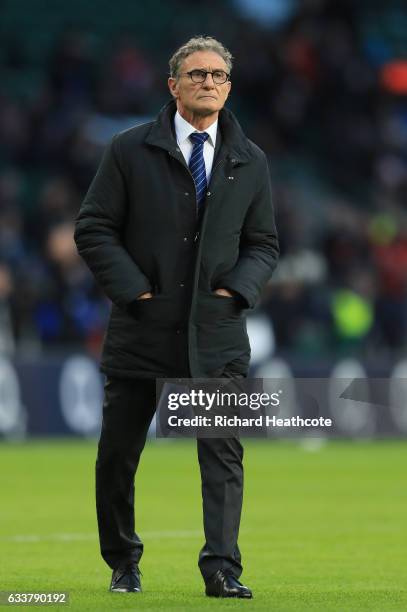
[(128, 409)]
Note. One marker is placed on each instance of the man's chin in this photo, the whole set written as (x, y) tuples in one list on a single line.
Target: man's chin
[(207, 109)]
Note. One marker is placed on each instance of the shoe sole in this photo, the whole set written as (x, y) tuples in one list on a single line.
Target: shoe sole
[(125, 590), (230, 596)]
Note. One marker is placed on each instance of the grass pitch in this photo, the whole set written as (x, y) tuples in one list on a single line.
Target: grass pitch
[(321, 530)]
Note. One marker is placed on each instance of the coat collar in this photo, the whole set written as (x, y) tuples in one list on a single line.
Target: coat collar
[(183, 130), (161, 133)]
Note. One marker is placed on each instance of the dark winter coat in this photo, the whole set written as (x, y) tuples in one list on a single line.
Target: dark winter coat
[(138, 230)]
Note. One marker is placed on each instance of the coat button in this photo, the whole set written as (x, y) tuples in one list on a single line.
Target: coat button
[(177, 331), (208, 193), (186, 193), (185, 238), (181, 285)]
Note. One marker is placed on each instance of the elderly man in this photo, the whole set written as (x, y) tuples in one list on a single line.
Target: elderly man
[(178, 229)]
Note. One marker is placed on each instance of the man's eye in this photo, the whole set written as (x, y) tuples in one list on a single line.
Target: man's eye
[(218, 74), (199, 73)]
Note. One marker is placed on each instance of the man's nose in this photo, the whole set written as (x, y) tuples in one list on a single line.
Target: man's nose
[(209, 82)]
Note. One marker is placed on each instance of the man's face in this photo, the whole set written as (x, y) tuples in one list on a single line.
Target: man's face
[(204, 98)]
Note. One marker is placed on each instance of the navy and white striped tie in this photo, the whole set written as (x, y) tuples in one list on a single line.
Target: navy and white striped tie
[(197, 165)]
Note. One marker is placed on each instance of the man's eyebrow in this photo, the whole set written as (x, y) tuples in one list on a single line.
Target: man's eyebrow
[(205, 70)]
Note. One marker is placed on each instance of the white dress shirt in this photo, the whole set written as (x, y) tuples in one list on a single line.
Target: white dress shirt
[(183, 130)]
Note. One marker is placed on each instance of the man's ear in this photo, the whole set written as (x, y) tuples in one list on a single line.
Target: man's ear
[(173, 87), (228, 90)]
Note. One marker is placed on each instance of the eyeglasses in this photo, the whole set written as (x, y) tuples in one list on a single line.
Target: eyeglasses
[(199, 76)]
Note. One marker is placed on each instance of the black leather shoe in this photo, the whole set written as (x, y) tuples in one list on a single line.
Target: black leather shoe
[(224, 584), (126, 579)]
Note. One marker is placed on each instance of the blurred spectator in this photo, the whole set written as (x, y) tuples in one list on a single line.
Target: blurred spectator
[(6, 322), (127, 80), (69, 310)]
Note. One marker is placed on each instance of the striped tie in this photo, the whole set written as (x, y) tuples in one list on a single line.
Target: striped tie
[(197, 165)]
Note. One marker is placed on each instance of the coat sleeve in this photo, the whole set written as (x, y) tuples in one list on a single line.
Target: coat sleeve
[(98, 233), (259, 248)]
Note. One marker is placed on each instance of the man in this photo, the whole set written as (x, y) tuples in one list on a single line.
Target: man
[(178, 229)]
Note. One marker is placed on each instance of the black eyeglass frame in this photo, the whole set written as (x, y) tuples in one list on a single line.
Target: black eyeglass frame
[(206, 72)]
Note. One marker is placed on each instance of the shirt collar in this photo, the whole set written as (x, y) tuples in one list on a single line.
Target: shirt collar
[(183, 130)]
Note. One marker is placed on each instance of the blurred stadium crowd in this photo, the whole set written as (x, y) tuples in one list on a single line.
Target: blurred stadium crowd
[(320, 85)]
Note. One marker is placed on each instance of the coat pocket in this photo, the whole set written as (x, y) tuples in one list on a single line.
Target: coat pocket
[(159, 310), (214, 307)]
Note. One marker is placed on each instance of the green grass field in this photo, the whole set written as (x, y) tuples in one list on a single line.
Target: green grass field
[(321, 530)]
